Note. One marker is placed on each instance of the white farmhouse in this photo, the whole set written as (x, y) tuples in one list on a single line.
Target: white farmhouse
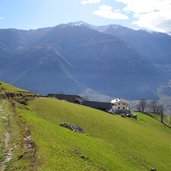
[(119, 104)]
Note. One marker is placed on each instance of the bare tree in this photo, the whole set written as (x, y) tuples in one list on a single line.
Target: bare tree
[(160, 111), (153, 105), (86, 97), (157, 108), (142, 105), (138, 107)]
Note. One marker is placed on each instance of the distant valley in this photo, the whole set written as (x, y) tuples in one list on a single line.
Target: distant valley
[(112, 61)]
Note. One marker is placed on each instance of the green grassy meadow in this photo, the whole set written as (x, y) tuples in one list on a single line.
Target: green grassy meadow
[(4, 87), (110, 143), (10, 122)]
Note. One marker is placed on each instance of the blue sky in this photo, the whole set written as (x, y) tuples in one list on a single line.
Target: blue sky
[(31, 14)]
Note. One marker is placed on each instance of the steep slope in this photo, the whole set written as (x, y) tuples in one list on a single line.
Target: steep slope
[(110, 142), (154, 47), (12, 130), (101, 62), (40, 70), (71, 59)]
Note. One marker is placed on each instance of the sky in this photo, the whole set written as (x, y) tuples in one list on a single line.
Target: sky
[(152, 15)]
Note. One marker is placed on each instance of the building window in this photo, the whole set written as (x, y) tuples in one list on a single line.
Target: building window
[(118, 107), (118, 103), (123, 107)]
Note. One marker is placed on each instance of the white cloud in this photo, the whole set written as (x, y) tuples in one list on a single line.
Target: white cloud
[(150, 14), (84, 2), (106, 11)]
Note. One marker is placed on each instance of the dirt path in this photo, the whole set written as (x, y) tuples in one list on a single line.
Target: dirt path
[(6, 141), (11, 135), (8, 150)]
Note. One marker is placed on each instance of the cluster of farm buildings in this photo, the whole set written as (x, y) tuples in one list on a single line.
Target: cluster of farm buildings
[(117, 105)]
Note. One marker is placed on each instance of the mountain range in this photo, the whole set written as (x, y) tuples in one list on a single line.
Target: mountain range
[(72, 58)]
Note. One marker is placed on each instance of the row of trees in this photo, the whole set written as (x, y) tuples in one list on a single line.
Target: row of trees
[(153, 106)]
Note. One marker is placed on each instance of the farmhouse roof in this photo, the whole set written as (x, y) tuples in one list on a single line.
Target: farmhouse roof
[(119, 100), (67, 97), (98, 105)]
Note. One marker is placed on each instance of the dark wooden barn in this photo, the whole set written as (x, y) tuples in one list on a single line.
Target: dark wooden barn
[(67, 97), (104, 106)]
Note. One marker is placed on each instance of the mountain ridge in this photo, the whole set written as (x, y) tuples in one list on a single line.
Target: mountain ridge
[(73, 57)]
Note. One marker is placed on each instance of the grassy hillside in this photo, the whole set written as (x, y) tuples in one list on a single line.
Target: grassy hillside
[(4, 87), (111, 142), (11, 136), (12, 131)]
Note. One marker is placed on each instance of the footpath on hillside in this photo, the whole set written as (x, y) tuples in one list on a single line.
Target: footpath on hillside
[(7, 149), (16, 146)]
